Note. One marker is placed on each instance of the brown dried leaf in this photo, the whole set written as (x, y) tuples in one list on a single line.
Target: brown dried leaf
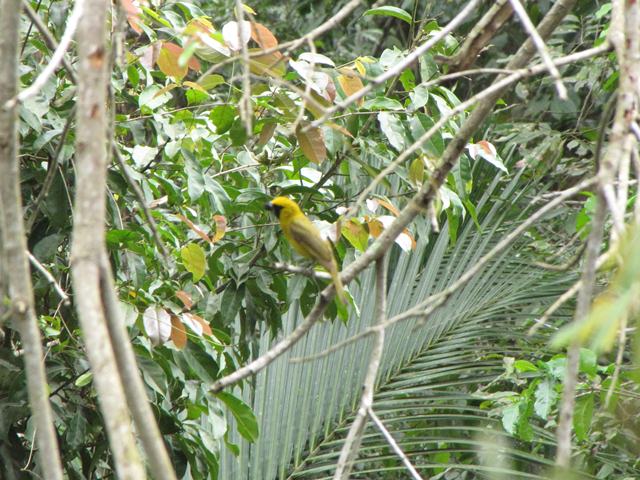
[(206, 329), (201, 233), (311, 142), (263, 36), (185, 298), (178, 333)]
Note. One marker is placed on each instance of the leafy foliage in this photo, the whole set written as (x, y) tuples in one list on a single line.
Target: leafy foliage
[(215, 301)]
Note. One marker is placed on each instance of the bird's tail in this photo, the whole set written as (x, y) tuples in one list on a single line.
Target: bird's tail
[(337, 283)]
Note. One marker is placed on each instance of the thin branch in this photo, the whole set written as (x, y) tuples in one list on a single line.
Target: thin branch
[(153, 226), (393, 444), (622, 340), (485, 94), (50, 278), (246, 111), (146, 424), (51, 172), (562, 299), (306, 271), (540, 45), (279, 348), (563, 432), (48, 37), (400, 66), (430, 304), (351, 445), (88, 248), (56, 58), (14, 261), (478, 38)]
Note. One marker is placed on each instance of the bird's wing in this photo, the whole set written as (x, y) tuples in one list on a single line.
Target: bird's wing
[(307, 235)]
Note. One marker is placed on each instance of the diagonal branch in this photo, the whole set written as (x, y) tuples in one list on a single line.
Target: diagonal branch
[(420, 203), (56, 58), (540, 45)]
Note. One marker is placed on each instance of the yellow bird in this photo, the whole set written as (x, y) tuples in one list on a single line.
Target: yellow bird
[(305, 238)]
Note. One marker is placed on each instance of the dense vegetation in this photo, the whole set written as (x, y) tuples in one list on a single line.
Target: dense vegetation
[(204, 127)]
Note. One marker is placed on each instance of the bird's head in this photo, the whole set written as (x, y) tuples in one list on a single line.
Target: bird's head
[(283, 207)]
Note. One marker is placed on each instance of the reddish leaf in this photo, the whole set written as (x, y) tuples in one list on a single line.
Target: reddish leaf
[(201, 233), (388, 206), (178, 333), (311, 142), (221, 227), (375, 227), (168, 61), (263, 36), (185, 298), (205, 326), (133, 13)]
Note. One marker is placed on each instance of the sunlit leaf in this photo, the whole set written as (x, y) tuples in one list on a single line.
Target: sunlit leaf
[(157, 325), (168, 61), (392, 128), (389, 11), (221, 227), (194, 260)]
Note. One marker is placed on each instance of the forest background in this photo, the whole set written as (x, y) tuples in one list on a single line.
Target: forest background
[(475, 165)]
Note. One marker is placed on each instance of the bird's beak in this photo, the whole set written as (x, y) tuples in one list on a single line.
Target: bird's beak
[(268, 206)]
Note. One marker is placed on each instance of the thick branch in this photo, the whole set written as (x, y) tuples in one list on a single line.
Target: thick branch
[(418, 204), (88, 248), (14, 244)]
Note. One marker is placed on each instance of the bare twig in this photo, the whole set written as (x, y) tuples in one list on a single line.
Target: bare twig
[(430, 304), (351, 445), (394, 445), (622, 340), (540, 45), (486, 94), (479, 36), (246, 111), (54, 161), (306, 271), (48, 37), (14, 261), (400, 66), (50, 278), (563, 433), (56, 58), (140, 197)]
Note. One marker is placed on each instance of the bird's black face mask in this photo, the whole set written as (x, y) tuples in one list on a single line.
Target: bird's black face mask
[(274, 208)]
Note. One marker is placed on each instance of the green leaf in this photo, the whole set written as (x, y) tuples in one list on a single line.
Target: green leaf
[(588, 361), (524, 366), (84, 379), (382, 103), (222, 117), (582, 416), (194, 260), (245, 419), (388, 11), (392, 128), (546, 397), (510, 416)]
